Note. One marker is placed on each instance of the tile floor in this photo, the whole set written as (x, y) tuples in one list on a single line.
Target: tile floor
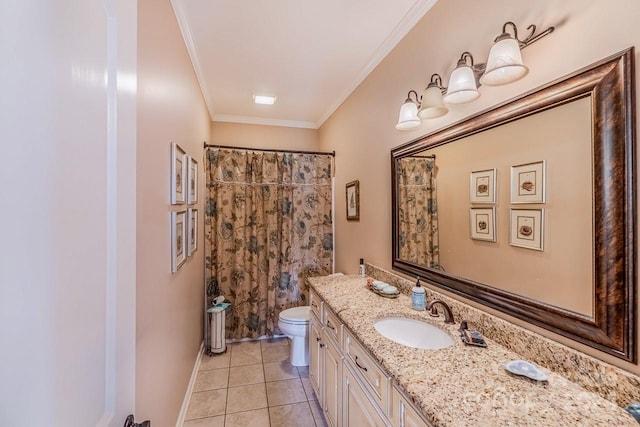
[(253, 385)]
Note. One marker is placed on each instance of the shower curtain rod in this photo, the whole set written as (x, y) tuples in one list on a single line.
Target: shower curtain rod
[(332, 153)]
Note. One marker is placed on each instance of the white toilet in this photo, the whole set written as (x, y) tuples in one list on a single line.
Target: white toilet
[(294, 323)]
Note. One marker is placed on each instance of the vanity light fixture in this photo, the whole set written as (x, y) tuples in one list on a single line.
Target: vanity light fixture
[(264, 99), (503, 66), (409, 113), (431, 105), (505, 59), (462, 82)]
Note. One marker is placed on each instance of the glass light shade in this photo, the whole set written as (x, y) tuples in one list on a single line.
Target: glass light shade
[(504, 64), (462, 86), (432, 106), (408, 116)]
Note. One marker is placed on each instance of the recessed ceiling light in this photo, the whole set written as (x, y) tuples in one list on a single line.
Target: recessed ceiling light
[(264, 99)]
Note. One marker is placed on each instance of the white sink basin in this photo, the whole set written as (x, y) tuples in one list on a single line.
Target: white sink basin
[(413, 333)]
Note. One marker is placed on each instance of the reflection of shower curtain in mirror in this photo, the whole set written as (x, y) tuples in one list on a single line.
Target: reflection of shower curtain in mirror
[(418, 212), (267, 227)]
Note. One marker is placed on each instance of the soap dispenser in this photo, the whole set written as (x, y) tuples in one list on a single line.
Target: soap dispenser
[(418, 294)]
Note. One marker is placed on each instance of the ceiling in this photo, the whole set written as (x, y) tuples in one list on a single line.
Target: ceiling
[(311, 55)]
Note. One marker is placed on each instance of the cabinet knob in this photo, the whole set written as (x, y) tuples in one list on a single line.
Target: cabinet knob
[(321, 345), (318, 339)]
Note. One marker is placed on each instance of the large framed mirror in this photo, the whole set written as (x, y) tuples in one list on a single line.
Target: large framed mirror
[(529, 208)]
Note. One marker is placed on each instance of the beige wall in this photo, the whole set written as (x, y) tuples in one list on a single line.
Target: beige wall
[(261, 136), (362, 129), (169, 306)]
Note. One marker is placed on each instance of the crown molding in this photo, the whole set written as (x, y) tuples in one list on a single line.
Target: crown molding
[(410, 19), (262, 121), (183, 24)]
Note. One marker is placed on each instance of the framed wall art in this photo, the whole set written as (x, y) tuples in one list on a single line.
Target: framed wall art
[(526, 228), (192, 179), (483, 186), (353, 201), (483, 223), (192, 231), (528, 183), (178, 236), (178, 167)]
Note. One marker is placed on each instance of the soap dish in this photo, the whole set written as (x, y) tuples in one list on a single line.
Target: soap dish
[(525, 369), (382, 294)]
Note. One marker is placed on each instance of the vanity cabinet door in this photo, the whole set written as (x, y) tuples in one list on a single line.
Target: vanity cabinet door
[(332, 400), (402, 414), (357, 409), (315, 356)]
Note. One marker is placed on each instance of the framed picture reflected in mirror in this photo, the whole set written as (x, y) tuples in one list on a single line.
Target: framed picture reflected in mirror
[(483, 224), (483, 186)]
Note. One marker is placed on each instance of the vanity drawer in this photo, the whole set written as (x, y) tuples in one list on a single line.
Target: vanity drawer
[(315, 303), (373, 375), (332, 325)]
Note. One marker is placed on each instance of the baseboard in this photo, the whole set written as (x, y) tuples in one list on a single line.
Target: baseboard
[(192, 383)]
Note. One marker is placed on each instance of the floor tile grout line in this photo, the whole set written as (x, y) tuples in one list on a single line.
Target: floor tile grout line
[(315, 423), (226, 400), (264, 374)]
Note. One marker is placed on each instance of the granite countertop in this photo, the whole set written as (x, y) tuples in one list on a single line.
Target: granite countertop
[(462, 385)]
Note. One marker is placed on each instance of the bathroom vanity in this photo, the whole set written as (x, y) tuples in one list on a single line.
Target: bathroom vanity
[(362, 378), (353, 389)]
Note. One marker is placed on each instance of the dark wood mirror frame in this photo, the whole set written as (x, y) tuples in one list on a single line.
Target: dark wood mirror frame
[(610, 84)]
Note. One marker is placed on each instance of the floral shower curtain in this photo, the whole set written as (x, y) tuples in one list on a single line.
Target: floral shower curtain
[(418, 212), (268, 226)]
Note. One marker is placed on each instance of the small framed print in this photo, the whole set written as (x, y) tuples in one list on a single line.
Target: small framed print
[(483, 224), (528, 183), (178, 167), (192, 231), (192, 179), (178, 242), (526, 228), (353, 201), (483, 186)]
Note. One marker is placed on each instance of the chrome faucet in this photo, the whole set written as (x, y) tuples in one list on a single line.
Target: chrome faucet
[(433, 310)]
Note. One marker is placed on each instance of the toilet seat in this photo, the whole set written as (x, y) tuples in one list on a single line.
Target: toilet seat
[(295, 315)]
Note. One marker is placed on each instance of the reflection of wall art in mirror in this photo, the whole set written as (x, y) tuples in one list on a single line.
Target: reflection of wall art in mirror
[(192, 195), (178, 243), (192, 227), (483, 224), (353, 201), (483, 186), (526, 228), (177, 174), (528, 183)]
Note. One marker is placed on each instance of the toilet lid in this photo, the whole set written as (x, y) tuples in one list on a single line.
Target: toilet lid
[(296, 314)]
